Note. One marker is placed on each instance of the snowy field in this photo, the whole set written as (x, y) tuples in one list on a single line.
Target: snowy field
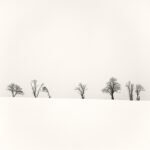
[(74, 124)]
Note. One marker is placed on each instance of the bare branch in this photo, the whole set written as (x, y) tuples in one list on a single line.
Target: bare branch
[(81, 90), (112, 86), (45, 89), (36, 89), (15, 89), (130, 88), (138, 90)]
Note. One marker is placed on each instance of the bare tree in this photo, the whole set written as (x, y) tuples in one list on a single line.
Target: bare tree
[(112, 86), (15, 89), (130, 88), (138, 90), (45, 89), (36, 88), (81, 90)]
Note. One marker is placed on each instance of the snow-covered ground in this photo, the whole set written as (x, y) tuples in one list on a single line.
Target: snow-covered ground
[(74, 124)]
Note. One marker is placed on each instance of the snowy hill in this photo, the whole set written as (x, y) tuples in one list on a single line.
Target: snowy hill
[(73, 124)]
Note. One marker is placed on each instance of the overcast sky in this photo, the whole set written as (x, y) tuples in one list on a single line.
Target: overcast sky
[(62, 43)]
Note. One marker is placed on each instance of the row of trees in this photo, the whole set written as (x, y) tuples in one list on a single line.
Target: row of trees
[(36, 89), (112, 87)]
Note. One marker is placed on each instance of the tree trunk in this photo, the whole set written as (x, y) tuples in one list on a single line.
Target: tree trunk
[(48, 94), (82, 96), (13, 95), (138, 98), (112, 96), (131, 97)]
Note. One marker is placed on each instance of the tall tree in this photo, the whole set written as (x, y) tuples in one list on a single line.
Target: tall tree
[(15, 89), (130, 88), (36, 89), (81, 90), (138, 90), (112, 86), (45, 89)]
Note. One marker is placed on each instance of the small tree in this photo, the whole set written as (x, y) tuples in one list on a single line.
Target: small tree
[(138, 90), (81, 90), (45, 89), (112, 86), (36, 88), (130, 88), (15, 89)]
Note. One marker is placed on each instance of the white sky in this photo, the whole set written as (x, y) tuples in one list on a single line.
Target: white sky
[(62, 43)]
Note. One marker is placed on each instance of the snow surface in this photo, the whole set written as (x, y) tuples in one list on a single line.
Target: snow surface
[(74, 124)]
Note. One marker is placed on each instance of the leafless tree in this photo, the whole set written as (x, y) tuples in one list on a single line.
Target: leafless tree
[(130, 88), (81, 90), (15, 89), (36, 88), (45, 89), (112, 86), (138, 90)]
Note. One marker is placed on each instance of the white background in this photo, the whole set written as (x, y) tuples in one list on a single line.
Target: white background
[(73, 124)]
